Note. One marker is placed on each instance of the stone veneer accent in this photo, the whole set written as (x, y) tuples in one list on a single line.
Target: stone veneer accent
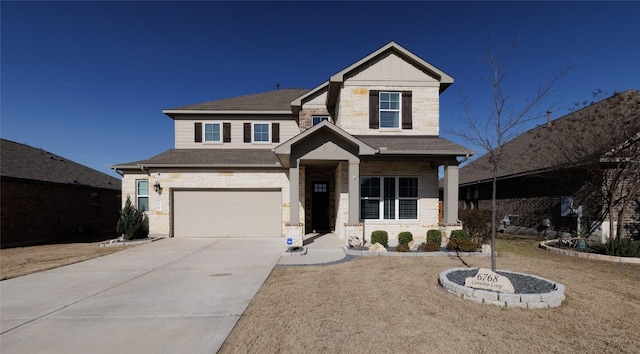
[(307, 113), (529, 301)]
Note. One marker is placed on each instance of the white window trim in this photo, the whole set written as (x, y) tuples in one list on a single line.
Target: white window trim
[(138, 196), (321, 117), (399, 110), (253, 135), (397, 198), (204, 130)]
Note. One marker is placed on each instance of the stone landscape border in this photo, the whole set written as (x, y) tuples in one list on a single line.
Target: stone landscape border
[(599, 257), (365, 253), (525, 301)]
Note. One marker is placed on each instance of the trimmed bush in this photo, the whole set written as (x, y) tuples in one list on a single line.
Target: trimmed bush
[(462, 245), (405, 237), (477, 222), (132, 224), (402, 248), (429, 247), (434, 236), (622, 247), (459, 235), (381, 237)]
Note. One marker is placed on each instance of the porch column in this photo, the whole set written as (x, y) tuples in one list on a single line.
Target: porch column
[(354, 192), (450, 190), (294, 192)]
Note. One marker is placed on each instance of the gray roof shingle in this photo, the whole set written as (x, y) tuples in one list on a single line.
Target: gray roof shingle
[(541, 148), (278, 100), (419, 143), (201, 157), (26, 162)]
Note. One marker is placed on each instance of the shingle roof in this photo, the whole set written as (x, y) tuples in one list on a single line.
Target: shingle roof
[(26, 162), (415, 144), (208, 157), (278, 100), (541, 148)]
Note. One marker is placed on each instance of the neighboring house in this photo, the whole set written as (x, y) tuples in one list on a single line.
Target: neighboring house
[(359, 152), (48, 198), (560, 159)]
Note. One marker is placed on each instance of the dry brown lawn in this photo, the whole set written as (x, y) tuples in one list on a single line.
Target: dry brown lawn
[(395, 305), (19, 261)]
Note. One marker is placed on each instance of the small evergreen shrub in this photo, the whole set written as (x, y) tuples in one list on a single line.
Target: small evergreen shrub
[(402, 248), (462, 245), (405, 237), (459, 235), (434, 236), (429, 247), (477, 222), (622, 247), (381, 237), (132, 224)]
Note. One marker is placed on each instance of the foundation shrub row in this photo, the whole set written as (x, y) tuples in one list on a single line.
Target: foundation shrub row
[(458, 241)]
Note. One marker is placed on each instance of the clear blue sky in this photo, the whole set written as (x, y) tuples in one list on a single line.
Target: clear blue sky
[(88, 80)]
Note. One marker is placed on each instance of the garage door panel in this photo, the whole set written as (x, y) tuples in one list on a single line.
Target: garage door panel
[(233, 213)]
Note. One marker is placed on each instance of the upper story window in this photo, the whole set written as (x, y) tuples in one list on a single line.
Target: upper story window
[(261, 133), (317, 119), (212, 132), (390, 110), (142, 194)]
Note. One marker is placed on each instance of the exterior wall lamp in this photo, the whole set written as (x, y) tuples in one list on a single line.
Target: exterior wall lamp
[(157, 187)]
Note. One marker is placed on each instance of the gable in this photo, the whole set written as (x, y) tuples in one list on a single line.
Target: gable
[(392, 70)]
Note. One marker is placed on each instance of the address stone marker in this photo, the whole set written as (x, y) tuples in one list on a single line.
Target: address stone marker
[(489, 280)]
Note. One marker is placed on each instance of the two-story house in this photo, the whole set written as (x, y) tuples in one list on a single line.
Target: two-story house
[(358, 153)]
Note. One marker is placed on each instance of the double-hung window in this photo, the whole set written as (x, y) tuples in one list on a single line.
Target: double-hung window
[(261, 133), (142, 194), (390, 110), (317, 119), (389, 198), (212, 133)]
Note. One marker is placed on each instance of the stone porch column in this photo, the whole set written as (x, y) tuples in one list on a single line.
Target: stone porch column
[(450, 189), (294, 192), (354, 192)]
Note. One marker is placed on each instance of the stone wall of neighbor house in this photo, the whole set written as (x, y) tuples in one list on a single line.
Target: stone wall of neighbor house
[(354, 110), (427, 193), (38, 212), (160, 213)]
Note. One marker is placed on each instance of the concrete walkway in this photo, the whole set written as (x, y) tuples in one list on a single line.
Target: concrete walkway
[(322, 249), (170, 296)]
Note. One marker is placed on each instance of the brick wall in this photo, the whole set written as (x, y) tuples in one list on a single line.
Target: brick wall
[(36, 212), (307, 113)]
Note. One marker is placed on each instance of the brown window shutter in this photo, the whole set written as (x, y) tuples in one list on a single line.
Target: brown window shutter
[(407, 122), (275, 132), (226, 132), (247, 132), (197, 137), (374, 109)]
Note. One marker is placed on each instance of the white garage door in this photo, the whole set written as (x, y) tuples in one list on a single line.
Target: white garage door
[(227, 213)]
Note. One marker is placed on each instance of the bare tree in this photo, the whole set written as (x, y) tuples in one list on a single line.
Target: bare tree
[(504, 121), (604, 143)]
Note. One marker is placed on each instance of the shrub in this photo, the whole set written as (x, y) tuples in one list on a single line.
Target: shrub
[(381, 237), (405, 237), (477, 222), (402, 247), (622, 247), (434, 236), (132, 224), (429, 247), (459, 235), (462, 245)]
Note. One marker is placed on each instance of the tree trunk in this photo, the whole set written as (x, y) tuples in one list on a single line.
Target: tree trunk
[(493, 220)]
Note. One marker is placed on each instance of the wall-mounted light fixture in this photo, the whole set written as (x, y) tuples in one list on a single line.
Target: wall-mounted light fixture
[(157, 187)]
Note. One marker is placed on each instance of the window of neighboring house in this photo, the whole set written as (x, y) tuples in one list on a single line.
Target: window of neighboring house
[(142, 194), (317, 119), (261, 133), (390, 110), (389, 198), (95, 204), (212, 133)]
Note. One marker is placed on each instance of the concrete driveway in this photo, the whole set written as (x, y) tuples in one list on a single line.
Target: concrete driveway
[(170, 296)]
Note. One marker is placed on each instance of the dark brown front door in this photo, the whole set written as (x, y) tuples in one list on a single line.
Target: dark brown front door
[(320, 206)]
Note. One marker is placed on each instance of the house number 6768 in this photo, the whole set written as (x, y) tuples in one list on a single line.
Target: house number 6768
[(487, 277)]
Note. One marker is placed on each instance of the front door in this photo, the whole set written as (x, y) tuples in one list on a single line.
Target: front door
[(320, 206)]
